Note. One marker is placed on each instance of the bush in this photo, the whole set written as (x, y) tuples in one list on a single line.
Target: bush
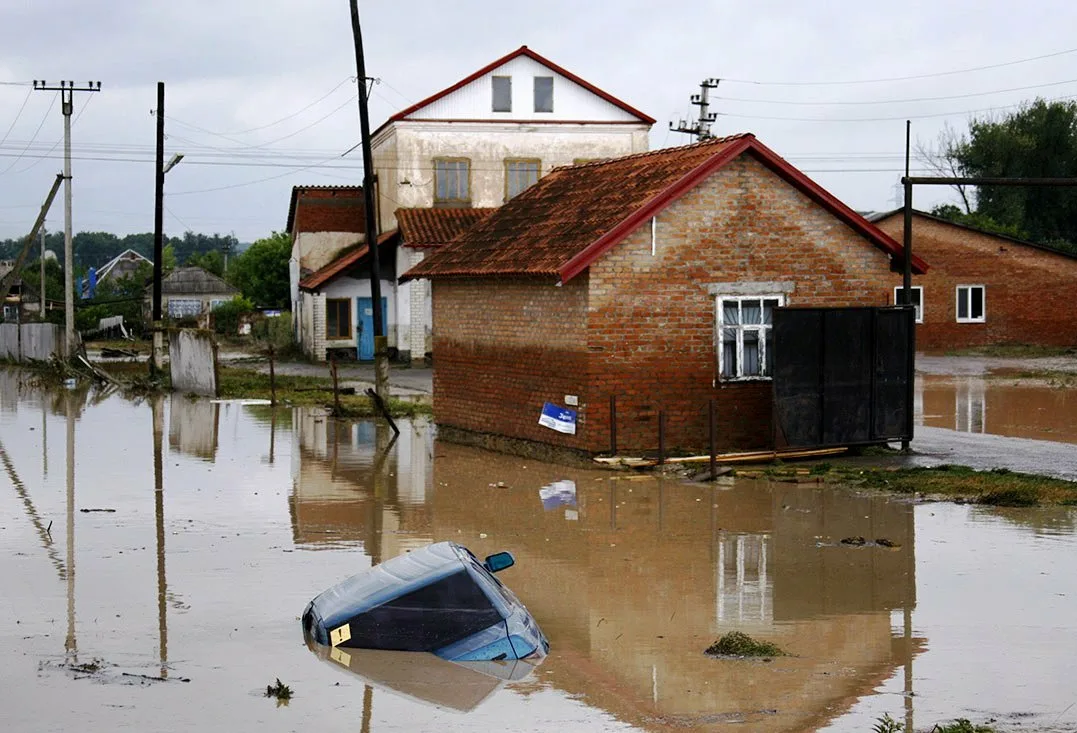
[(226, 316)]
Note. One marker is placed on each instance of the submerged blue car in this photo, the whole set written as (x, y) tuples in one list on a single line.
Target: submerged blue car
[(439, 599)]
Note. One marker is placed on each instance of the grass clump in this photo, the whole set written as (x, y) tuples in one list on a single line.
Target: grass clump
[(962, 725), (739, 644), (281, 691), (997, 488)]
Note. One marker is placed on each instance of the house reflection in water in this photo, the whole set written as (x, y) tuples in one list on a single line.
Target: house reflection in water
[(1018, 408), (633, 579), (192, 426)]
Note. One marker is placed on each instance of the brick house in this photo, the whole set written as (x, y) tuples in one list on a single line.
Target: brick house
[(986, 288), (650, 278)]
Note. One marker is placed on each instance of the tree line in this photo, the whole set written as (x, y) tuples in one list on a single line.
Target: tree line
[(1038, 140), (260, 271)]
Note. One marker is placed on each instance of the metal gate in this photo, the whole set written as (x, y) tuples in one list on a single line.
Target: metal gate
[(842, 376)]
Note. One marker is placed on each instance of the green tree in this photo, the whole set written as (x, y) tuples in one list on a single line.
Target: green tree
[(1038, 140), (212, 261), (261, 272), (168, 259)]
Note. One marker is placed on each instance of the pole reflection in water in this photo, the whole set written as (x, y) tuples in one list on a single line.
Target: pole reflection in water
[(159, 515), (70, 646)]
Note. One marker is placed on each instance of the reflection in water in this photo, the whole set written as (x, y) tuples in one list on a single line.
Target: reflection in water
[(648, 575), (975, 404), (425, 678), (192, 426), (641, 578)]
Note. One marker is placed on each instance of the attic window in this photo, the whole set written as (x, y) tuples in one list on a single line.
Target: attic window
[(502, 94), (544, 94)]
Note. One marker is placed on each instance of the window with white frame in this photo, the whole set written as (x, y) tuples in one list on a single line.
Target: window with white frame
[(971, 304), (502, 93), (544, 94), (745, 332), (917, 300)]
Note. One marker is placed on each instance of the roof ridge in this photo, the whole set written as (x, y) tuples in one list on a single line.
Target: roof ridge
[(660, 151)]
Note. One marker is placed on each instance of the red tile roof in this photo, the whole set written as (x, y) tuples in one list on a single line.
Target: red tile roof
[(521, 51), (348, 259), (563, 223), (435, 227), (326, 209)]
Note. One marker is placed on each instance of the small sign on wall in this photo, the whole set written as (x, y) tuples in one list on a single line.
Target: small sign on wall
[(558, 418)]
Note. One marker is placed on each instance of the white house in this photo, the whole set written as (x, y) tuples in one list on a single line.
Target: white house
[(474, 145)]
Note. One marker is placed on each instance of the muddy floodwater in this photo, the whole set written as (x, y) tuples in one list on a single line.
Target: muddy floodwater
[(155, 557)]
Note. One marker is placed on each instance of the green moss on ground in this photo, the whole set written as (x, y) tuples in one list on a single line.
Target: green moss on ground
[(998, 487), (739, 644), (310, 391)]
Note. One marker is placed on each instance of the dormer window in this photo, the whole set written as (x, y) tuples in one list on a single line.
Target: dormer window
[(544, 94), (502, 93)]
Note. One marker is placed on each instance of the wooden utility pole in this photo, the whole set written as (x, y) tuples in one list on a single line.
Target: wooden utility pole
[(9, 279), (158, 233), (67, 91), (381, 344)]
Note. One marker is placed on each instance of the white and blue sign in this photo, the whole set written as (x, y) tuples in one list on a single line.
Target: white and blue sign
[(558, 418)]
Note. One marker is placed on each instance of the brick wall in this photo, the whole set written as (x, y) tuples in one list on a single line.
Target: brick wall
[(642, 326), (503, 349), (1027, 291)]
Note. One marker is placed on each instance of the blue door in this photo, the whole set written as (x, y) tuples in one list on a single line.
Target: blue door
[(366, 326)]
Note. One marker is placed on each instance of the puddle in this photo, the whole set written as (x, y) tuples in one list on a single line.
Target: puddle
[(229, 518), (998, 406)]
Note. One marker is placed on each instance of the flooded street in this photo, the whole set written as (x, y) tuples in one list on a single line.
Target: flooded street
[(156, 556)]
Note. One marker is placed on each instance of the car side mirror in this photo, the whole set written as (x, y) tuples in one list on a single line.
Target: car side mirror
[(498, 561)]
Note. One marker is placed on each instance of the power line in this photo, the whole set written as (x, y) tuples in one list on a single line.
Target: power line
[(887, 119), (17, 116), (57, 143), (901, 101), (900, 78), (296, 113), (42, 124)]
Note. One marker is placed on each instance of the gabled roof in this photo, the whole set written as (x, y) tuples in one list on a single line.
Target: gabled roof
[(193, 281), (522, 51), (883, 215), (326, 209), (569, 218), (126, 254), (435, 227), (347, 259)]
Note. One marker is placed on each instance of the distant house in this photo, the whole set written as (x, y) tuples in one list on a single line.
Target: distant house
[(324, 222), (986, 288), (650, 278), (189, 292), (472, 145), (125, 264), (341, 289)]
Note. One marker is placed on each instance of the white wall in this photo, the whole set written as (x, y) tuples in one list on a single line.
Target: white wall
[(487, 146), (315, 250), (570, 100)]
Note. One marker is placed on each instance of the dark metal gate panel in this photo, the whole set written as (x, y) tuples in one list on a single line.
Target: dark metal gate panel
[(841, 376)]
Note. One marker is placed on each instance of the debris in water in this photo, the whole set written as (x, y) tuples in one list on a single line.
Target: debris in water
[(281, 691), (854, 541), (883, 542), (739, 644), (87, 511)]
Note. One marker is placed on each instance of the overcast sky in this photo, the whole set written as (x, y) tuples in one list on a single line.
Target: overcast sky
[(233, 67)]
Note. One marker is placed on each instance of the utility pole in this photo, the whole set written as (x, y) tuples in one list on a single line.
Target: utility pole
[(906, 297), (701, 128), (67, 91), (381, 356), (158, 232), (42, 311), (8, 280)]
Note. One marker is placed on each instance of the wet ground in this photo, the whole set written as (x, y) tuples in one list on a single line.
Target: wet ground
[(155, 557)]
